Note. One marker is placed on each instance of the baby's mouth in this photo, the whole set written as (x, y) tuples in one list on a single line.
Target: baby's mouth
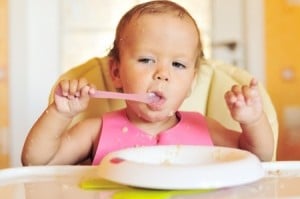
[(157, 98)]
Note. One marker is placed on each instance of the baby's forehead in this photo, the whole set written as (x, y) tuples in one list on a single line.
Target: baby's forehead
[(138, 19), (159, 25), (176, 14)]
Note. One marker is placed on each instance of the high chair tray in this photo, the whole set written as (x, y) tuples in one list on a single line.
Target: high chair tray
[(281, 180)]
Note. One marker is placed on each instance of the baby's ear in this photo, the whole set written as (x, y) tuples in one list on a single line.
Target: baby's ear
[(114, 71)]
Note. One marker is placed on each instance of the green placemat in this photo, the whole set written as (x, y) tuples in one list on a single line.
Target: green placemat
[(125, 192)]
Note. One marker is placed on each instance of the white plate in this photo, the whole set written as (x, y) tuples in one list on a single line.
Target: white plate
[(181, 167)]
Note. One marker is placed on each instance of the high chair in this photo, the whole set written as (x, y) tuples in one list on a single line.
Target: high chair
[(207, 97)]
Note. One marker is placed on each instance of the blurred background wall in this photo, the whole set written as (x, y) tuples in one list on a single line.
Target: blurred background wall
[(282, 50)]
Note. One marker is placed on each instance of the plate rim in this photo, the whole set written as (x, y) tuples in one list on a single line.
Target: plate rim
[(111, 171)]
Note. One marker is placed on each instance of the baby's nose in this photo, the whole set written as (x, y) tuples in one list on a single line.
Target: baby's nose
[(161, 77)]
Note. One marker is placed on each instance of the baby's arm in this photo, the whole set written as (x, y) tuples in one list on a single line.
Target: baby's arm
[(49, 137), (246, 107)]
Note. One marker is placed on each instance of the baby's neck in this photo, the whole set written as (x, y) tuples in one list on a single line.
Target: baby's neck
[(154, 128)]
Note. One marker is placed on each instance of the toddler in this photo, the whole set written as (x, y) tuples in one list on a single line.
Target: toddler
[(157, 49)]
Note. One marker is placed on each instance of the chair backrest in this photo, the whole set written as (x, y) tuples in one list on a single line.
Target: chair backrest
[(207, 97)]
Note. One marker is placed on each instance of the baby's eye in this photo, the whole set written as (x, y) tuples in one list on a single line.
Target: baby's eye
[(178, 65), (146, 60)]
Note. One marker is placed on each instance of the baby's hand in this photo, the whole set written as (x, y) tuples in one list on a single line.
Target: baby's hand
[(244, 102), (72, 96)]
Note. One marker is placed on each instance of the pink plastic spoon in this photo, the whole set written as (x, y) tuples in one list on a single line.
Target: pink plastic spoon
[(145, 97)]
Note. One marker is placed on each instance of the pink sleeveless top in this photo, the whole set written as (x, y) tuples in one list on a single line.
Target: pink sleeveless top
[(118, 133)]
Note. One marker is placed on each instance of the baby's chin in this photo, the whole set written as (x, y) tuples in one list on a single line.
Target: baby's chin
[(159, 116)]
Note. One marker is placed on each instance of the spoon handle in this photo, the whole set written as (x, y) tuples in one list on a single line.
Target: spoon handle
[(146, 97)]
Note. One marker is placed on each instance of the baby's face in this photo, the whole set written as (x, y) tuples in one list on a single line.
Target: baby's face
[(158, 54)]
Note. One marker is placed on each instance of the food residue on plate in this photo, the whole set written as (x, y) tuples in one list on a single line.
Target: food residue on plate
[(116, 160)]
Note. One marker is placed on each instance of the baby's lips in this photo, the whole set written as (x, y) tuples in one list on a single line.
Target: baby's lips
[(158, 100), (153, 98)]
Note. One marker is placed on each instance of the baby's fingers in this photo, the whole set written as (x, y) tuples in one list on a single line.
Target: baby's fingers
[(253, 83), (232, 100), (64, 88), (237, 92), (250, 93), (74, 88), (230, 97), (83, 87)]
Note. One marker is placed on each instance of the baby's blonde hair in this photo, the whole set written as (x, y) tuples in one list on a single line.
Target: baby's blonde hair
[(153, 7)]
